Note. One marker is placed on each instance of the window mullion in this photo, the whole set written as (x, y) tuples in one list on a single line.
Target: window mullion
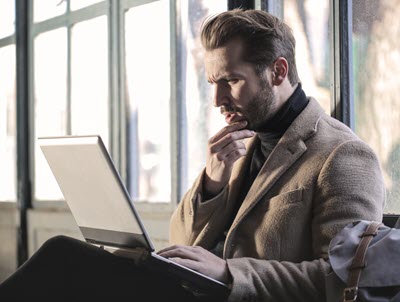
[(179, 166), (245, 4), (343, 94), (117, 121), (69, 50), (24, 196)]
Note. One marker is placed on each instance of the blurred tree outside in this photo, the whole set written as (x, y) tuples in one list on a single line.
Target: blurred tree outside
[(376, 45)]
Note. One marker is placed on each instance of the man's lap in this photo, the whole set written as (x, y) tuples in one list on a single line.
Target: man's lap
[(68, 269)]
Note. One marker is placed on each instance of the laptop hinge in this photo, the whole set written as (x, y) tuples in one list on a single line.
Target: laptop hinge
[(139, 255)]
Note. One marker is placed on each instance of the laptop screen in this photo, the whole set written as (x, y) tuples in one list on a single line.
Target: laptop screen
[(94, 191)]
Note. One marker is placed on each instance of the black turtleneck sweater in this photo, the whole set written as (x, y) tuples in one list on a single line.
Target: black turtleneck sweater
[(269, 137)]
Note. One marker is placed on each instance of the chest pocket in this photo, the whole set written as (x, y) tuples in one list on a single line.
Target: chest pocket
[(286, 198)]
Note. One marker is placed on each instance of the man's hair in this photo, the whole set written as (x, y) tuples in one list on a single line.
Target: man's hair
[(265, 37)]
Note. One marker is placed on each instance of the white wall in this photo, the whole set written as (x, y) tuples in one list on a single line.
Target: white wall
[(8, 239), (46, 222)]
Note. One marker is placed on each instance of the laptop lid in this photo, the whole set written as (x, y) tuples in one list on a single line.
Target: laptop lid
[(94, 191)]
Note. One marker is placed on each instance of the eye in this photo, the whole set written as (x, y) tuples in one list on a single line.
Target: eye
[(232, 81)]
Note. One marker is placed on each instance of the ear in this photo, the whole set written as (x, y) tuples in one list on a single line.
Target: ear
[(280, 70)]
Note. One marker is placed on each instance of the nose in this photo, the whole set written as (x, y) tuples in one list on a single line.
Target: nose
[(220, 95)]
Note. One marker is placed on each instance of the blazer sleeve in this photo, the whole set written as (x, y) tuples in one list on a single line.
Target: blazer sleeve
[(349, 187), (195, 217)]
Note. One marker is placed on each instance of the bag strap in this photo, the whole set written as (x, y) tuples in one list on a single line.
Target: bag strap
[(350, 292)]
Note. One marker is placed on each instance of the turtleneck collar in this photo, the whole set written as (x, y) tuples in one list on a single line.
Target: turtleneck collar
[(288, 113)]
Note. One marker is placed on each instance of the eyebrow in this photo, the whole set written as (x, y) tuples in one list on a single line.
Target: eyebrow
[(225, 77)]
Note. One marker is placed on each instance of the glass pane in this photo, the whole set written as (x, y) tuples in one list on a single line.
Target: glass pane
[(7, 18), (376, 45), (203, 119), (89, 78), (77, 4), (50, 67), (7, 124), (148, 92), (47, 9), (309, 21)]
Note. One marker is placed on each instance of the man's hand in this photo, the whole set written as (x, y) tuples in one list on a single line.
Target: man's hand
[(198, 259), (223, 150)]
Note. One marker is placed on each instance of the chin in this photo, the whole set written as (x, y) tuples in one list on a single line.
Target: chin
[(250, 126)]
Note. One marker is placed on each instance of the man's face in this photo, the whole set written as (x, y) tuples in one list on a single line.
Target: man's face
[(241, 93)]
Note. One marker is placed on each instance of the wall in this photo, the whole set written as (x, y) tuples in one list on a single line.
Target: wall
[(8, 238), (45, 222)]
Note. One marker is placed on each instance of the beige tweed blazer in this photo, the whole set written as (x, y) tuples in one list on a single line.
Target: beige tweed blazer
[(319, 177)]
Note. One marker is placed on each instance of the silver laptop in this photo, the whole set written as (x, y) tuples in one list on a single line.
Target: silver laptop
[(103, 209)]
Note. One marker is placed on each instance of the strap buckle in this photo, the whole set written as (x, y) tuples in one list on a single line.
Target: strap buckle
[(350, 294)]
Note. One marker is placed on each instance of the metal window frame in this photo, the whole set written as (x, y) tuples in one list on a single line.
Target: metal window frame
[(23, 117), (177, 95), (7, 41), (342, 103), (244, 4)]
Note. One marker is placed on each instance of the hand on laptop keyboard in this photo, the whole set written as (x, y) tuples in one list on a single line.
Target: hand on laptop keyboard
[(198, 259)]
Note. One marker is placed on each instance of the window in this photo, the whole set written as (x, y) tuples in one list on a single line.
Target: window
[(151, 121), (309, 21), (97, 54), (7, 102), (203, 120), (70, 76), (147, 54), (376, 55), (45, 10), (153, 104), (50, 73)]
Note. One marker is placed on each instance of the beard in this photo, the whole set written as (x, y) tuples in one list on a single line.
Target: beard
[(261, 108)]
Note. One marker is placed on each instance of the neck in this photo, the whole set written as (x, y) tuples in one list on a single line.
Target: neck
[(284, 92), (287, 113)]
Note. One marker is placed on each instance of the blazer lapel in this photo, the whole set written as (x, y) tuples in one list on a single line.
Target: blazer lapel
[(288, 150), (239, 173), (284, 155)]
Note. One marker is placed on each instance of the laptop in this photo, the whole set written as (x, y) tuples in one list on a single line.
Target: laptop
[(103, 211)]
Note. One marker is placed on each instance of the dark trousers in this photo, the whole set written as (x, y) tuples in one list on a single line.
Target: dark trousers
[(66, 269)]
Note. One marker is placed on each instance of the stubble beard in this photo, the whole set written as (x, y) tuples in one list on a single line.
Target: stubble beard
[(261, 108)]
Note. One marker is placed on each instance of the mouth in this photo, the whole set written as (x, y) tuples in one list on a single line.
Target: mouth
[(231, 115)]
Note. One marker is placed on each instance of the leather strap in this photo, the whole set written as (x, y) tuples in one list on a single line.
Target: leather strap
[(358, 263)]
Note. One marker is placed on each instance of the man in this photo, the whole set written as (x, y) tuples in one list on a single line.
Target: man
[(261, 214), (270, 209)]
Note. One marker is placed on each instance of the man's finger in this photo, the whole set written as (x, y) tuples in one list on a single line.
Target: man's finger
[(168, 248), (227, 129), (228, 149), (235, 155), (194, 265), (229, 138), (185, 252)]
